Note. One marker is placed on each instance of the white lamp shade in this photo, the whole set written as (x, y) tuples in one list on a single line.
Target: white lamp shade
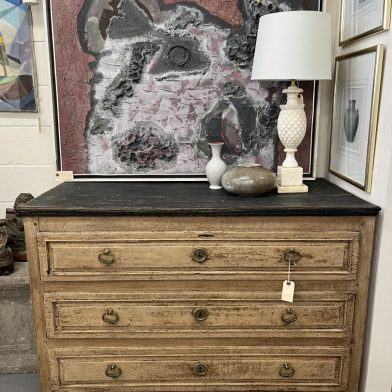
[(293, 45)]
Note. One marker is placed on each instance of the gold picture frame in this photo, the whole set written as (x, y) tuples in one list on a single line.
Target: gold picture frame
[(384, 26), (345, 142)]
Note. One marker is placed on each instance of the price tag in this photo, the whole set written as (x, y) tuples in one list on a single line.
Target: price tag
[(288, 291)]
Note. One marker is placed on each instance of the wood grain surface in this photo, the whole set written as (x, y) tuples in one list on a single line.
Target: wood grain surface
[(154, 285), (228, 314), (228, 369)]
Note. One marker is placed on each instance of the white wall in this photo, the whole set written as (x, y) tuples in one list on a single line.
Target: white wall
[(377, 374), (27, 152)]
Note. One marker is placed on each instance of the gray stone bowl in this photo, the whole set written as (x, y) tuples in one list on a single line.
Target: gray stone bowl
[(249, 180)]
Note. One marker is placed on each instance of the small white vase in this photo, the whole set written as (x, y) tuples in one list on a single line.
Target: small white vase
[(215, 167)]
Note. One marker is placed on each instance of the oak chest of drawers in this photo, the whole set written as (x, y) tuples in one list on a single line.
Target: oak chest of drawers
[(173, 287)]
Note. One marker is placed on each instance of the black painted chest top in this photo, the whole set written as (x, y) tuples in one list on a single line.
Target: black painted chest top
[(190, 198)]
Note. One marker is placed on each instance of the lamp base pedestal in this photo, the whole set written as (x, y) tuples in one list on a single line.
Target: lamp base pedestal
[(290, 180)]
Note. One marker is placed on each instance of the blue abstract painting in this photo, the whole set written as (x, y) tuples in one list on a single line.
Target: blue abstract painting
[(17, 90)]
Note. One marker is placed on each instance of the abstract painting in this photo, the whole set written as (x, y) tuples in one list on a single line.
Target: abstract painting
[(144, 85), (17, 90)]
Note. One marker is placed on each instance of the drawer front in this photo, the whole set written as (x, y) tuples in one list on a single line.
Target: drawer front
[(205, 368), (89, 257), (212, 314)]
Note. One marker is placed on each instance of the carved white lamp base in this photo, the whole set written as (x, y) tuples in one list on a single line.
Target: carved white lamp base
[(291, 130), (290, 180)]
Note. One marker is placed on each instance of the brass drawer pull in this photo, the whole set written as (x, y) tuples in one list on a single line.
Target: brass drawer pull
[(286, 371), (200, 369), (113, 371), (110, 317), (200, 314), (106, 257), (200, 255), (289, 317), (291, 256)]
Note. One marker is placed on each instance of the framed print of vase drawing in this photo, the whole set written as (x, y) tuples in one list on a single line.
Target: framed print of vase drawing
[(360, 18), (355, 115)]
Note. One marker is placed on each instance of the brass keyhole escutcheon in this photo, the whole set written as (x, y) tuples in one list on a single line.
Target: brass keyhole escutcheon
[(113, 371), (200, 369), (200, 314), (286, 371), (106, 257), (291, 256), (110, 317), (200, 255), (289, 317)]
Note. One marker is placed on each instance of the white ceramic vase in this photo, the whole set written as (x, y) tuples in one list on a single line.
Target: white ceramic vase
[(215, 167)]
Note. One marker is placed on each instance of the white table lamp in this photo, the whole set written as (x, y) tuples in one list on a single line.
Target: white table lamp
[(293, 45)]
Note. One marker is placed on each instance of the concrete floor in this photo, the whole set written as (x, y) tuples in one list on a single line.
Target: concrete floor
[(19, 382)]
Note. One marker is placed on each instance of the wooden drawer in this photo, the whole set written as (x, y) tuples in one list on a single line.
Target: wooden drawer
[(200, 369), (158, 255), (198, 314)]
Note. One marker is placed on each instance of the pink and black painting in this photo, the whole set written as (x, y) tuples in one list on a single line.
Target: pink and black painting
[(144, 85)]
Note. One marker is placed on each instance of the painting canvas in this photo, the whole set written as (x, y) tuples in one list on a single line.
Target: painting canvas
[(144, 85), (17, 92), (354, 122)]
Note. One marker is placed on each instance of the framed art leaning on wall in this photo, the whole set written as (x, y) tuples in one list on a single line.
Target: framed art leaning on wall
[(355, 115), (143, 87), (17, 73), (360, 18)]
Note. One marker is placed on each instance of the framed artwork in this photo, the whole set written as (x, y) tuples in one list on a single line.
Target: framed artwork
[(144, 85), (360, 18), (17, 82), (355, 115)]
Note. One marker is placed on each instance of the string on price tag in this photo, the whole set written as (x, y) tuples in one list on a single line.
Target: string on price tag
[(288, 288)]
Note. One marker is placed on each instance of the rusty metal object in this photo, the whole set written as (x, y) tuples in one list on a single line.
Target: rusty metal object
[(110, 317), (289, 317), (6, 258), (15, 229), (291, 256), (286, 371), (200, 369), (106, 257), (113, 371), (200, 255), (200, 314)]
